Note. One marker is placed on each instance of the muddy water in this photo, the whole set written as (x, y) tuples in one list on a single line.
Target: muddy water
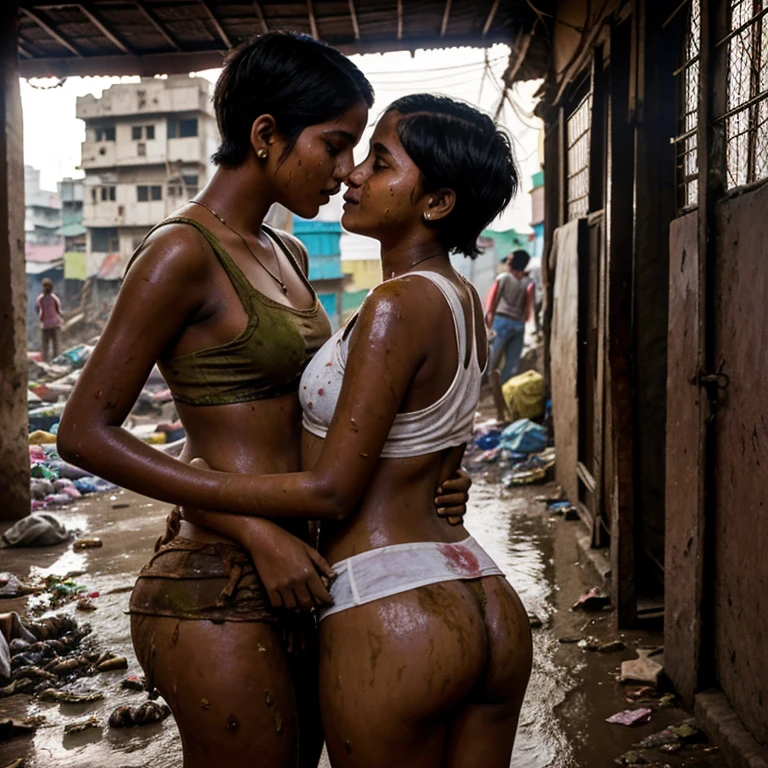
[(521, 545), (515, 534), (570, 694)]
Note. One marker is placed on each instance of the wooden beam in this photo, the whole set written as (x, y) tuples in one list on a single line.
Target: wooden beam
[(619, 284), (119, 65), (312, 20), (491, 16), (260, 16), (52, 32), (446, 16), (399, 19), (353, 16), (14, 450), (182, 62), (216, 24), (23, 50), (155, 21), (103, 29)]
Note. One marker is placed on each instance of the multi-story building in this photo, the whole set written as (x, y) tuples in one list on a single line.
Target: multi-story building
[(42, 211), (72, 229), (147, 149)]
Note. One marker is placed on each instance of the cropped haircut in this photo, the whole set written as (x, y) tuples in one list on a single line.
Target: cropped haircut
[(294, 78), (455, 146), (519, 259)]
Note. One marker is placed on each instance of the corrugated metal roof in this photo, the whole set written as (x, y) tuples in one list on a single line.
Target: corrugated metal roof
[(43, 253)]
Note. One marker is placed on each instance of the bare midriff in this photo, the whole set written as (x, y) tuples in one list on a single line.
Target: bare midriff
[(397, 506), (258, 437)]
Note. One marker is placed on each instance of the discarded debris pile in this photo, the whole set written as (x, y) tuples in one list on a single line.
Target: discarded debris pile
[(43, 655), (685, 740), (56, 483), (515, 454), (50, 592), (144, 714), (52, 661), (48, 658)]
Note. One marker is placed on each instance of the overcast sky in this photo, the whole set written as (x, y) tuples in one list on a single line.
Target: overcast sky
[(52, 133)]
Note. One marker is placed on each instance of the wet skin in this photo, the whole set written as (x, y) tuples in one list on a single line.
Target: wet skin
[(434, 676), (177, 299)]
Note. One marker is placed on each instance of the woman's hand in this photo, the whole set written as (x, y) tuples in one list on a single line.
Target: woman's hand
[(295, 575), (452, 497)]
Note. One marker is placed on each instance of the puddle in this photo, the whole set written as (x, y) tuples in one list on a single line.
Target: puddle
[(521, 543)]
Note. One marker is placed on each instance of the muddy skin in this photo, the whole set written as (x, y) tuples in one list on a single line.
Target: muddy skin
[(223, 719), (441, 670), (177, 299)]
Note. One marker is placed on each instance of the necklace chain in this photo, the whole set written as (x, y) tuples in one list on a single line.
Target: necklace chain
[(418, 261), (278, 280)]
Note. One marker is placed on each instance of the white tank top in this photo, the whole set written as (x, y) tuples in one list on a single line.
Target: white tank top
[(446, 423)]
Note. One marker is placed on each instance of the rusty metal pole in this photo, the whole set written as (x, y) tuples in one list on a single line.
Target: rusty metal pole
[(14, 451)]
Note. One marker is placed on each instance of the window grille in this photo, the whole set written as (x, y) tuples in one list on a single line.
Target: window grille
[(578, 131), (688, 111), (746, 116)]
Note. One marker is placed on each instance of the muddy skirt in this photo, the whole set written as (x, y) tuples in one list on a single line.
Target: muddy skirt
[(194, 580)]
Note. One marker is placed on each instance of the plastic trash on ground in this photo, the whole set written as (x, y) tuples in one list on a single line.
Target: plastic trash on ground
[(524, 436), (524, 396), (631, 717)]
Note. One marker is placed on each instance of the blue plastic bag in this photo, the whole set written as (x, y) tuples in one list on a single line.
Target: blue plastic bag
[(524, 436), (489, 440)]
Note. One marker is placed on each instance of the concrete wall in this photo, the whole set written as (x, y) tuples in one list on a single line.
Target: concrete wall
[(365, 273), (150, 96)]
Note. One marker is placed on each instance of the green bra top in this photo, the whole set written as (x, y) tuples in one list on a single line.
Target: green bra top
[(266, 359)]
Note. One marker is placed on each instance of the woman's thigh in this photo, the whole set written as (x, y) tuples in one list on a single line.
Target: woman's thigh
[(392, 671), (230, 689), (483, 729)]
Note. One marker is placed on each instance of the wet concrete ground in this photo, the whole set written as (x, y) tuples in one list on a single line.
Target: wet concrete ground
[(571, 693)]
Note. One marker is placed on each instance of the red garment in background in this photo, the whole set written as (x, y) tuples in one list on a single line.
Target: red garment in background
[(490, 297)]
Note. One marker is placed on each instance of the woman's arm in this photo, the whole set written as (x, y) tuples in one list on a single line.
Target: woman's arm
[(294, 574), (164, 292), (385, 355)]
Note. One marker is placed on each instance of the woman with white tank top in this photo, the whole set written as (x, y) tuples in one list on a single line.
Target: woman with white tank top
[(426, 652)]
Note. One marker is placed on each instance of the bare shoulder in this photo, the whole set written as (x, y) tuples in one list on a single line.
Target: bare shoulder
[(296, 247), (173, 252), (403, 305)]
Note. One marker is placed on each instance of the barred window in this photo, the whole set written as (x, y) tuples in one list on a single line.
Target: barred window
[(688, 111), (746, 118), (578, 132)]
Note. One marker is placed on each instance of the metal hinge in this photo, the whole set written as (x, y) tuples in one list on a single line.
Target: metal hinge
[(713, 384)]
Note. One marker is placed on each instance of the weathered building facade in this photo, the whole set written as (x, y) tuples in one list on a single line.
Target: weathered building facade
[(656, 200), (147, 150)]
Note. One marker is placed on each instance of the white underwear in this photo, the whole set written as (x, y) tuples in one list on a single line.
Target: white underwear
[(391, 570)]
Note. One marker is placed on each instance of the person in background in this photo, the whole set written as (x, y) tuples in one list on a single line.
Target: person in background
[(49, 309), (511, 308)]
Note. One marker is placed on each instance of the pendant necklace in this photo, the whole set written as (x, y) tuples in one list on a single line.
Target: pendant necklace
[(278, 280), (418, 261)]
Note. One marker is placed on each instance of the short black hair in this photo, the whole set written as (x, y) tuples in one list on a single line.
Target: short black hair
[(519, 259), (294, 78), (456, 146)]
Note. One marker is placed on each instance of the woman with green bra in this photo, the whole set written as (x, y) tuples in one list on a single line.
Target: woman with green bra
[(223, 305)]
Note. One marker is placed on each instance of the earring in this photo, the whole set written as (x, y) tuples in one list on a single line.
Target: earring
[(427, 215), (261, 153)]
